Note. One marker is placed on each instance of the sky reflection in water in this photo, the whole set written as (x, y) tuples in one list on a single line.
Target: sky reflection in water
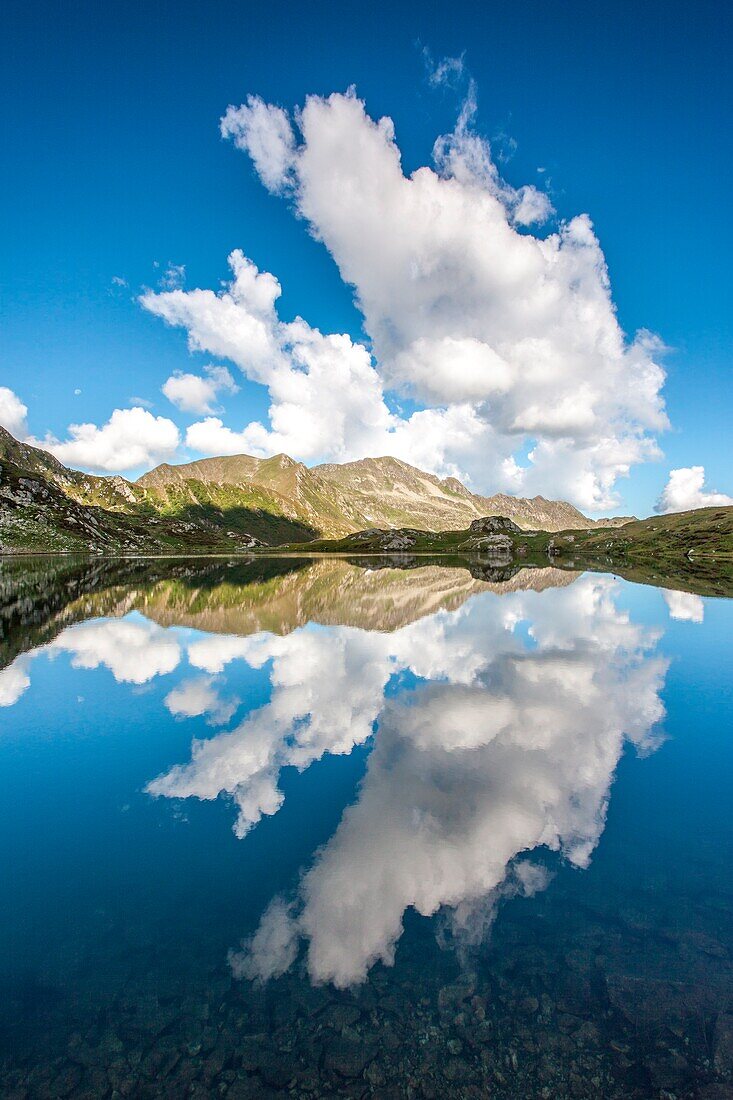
[(498, 715), (462, 829)]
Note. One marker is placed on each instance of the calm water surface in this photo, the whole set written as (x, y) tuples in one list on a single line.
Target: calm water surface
[(310, 829)]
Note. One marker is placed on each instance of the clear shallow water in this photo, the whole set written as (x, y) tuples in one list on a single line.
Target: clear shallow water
[(302, 828)]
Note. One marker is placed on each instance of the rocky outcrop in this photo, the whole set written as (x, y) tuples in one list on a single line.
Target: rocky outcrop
[(492, 536), (496, 545), (492, 525), (375, 539)]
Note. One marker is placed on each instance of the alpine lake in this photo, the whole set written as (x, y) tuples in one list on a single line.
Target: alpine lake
[(279, 827)]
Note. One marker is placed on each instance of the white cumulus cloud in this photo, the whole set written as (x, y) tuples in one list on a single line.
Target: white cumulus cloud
[(197, 393), (685, 489), (501, 749), (135, 652), (684, 606), (199, 697), (327, 398), (507, 340), (130, 438), (13, 413)]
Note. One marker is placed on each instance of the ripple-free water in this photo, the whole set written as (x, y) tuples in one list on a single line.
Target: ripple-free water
[(310, 829)]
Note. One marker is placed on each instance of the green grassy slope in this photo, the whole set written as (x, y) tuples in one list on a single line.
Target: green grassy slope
[(36, 516), (44, 506), (704, 533), (274, 500), (692, 551), (689, 550)]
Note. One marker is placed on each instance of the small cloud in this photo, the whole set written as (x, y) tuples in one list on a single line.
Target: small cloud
[(684, 606), (195, 698), (77, 391), (141, 402), (173, 277), (117, 286), (531, 206), (504, 147), (447, 72), (265, 132), (685, 490), (272, 949), (194, 394), (14, 681)]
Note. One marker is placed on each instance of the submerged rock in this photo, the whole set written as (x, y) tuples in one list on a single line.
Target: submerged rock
[(349, 1057), (723, 1044)]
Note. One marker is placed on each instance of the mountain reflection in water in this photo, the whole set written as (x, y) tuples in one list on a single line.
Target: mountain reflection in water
[(505, 740), (492, 714)]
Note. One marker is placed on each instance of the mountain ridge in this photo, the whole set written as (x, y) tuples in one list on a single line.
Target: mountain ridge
[(234, 501), (339, 498)]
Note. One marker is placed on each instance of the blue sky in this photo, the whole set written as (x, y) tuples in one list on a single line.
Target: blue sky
[(113, 163)]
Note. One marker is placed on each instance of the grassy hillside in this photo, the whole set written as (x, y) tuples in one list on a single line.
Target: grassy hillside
[(229, 505), (689, 550), (334, 499), (692, 551), (702, 534), (36, 516), (705, 533), (273, 500)]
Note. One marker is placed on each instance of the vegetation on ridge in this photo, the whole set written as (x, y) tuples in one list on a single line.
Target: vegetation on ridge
[(689, 550), (240, 504), (223, 504)]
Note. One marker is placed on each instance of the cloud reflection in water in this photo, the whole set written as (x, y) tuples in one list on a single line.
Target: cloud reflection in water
[(508, 742), (498, 715)]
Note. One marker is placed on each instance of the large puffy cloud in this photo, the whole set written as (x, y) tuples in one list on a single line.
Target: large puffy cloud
[(131, 438), (12, 412), (196, 393), (465, 308), (327, 397), (509, 743), (685, 489)]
